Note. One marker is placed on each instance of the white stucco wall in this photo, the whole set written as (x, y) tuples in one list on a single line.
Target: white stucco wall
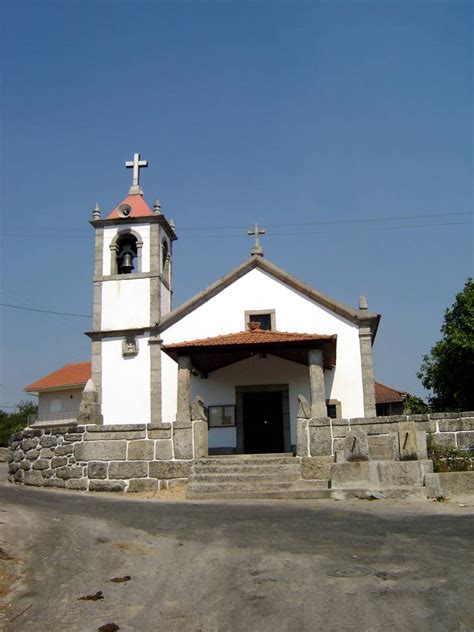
[(125, 304), (165, 299), (125, 383), (70, 400), (109, 233), (257, 290)]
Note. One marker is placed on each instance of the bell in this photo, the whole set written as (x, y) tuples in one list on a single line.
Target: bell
[(126, 265)]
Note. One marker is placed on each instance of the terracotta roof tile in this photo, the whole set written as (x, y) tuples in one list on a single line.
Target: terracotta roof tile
[(258, 336), (70, 375), (139, 207), (387, 395)]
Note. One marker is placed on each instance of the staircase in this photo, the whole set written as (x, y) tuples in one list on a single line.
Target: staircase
[(247, 476)]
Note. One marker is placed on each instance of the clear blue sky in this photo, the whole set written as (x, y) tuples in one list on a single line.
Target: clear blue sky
[(291, 114)]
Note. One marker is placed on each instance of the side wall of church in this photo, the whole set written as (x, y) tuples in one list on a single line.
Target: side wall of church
[(294, 312), (125, 382)]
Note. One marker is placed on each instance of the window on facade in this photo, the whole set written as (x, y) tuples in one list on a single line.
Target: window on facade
[(55, 405), (332, 411), (333, 407), (221, 416), (265, 320)]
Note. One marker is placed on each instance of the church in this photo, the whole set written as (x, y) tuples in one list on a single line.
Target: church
[(248, 349)]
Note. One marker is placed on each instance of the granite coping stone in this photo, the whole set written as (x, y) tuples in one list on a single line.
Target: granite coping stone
[(39, 425), (115, 428)]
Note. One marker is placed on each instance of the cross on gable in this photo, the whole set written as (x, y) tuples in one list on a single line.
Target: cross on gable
[(257, 231), (135, 164)]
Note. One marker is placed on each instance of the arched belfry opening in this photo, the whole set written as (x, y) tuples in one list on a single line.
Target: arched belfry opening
[(165, 260), (126, 253)]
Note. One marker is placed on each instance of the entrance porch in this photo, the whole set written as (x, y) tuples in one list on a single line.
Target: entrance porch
[(251, 381)]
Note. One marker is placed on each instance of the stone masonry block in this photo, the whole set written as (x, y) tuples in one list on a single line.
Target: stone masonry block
[(163, 450), (141, 450), (317, 467), (453, 425), (142, 485), (62, 450), (183, 442), (31, 455), (383, 447), (159, 433), (97, 469), (19, 475), (46, 453), (106, 486), (320, 440), (47, 441), (54, 482), (77, 483), (70, 471), (100, 450), (25, 465), (47, 473), (41, 464), (302, 441), (58, 461), (201, 441), (29, 444), (170, 469), (119, 434), (33, 477), (465, 439), (128, 469)]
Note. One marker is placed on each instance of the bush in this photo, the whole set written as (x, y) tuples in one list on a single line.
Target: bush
[(13, 422), (449, 459)]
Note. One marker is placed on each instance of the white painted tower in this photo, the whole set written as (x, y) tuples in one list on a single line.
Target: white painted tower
[(132, 292)]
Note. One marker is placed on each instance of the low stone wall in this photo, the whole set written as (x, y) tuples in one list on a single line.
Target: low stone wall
[(125, 458), (325, 436), (4, 455), (445, 484)]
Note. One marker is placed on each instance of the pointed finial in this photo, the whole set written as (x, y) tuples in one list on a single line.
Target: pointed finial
[(157, 207), (172, 224), (363, 302), (96, 211), (257, 249)]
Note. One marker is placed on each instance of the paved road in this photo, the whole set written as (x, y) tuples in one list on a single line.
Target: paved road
[(236, 567)]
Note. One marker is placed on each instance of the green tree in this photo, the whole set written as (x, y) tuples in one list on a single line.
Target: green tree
[(448, 370), (15, 421)]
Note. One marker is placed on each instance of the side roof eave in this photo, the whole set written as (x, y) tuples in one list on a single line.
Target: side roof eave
[(361, 317)]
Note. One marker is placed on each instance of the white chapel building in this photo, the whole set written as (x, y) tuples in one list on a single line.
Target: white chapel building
[(249, 345)]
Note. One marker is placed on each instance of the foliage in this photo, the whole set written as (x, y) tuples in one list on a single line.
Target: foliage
[(415, 406), (448, 370), (447, 459), (15, 421)]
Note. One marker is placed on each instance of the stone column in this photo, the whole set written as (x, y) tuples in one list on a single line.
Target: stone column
[(316, 383), (367, 366), (183, 411), (155, 382), (183, 426)]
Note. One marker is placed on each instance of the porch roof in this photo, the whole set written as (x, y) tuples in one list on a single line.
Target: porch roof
[(210, 354)]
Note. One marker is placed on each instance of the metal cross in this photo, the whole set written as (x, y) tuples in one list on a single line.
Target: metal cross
[(257, 231), (135, 164)]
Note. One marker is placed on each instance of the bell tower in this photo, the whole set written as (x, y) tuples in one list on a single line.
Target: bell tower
[(132, 292)]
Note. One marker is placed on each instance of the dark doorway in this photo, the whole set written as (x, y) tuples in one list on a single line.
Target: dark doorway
[(263, 422)]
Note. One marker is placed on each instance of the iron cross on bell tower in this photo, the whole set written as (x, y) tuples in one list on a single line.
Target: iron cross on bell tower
[(135, 164), (257, 249)]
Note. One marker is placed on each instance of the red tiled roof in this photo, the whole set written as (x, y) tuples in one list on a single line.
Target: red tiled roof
[(139, 207), (70, 375), (387, 395), (258, 336)]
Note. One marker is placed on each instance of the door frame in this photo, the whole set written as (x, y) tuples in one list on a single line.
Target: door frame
[(239, 411)]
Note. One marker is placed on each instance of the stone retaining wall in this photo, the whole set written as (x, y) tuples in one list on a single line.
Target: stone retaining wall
[(325, 436), (122, 458)]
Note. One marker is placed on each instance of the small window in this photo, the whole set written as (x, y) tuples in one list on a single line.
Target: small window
[(55, 405), (264, 318), (221, 416), (334, 408), (332, 411)]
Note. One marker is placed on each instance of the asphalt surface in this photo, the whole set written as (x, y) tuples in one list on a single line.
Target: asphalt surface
[(238, 567)]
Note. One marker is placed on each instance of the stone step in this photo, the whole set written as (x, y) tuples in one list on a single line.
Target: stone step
[(261, 494), (257, 486), (292, 468), (260, 460), (257, 475)]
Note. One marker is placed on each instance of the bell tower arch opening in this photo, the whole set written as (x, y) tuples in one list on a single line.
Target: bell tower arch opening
[(126, 252)]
